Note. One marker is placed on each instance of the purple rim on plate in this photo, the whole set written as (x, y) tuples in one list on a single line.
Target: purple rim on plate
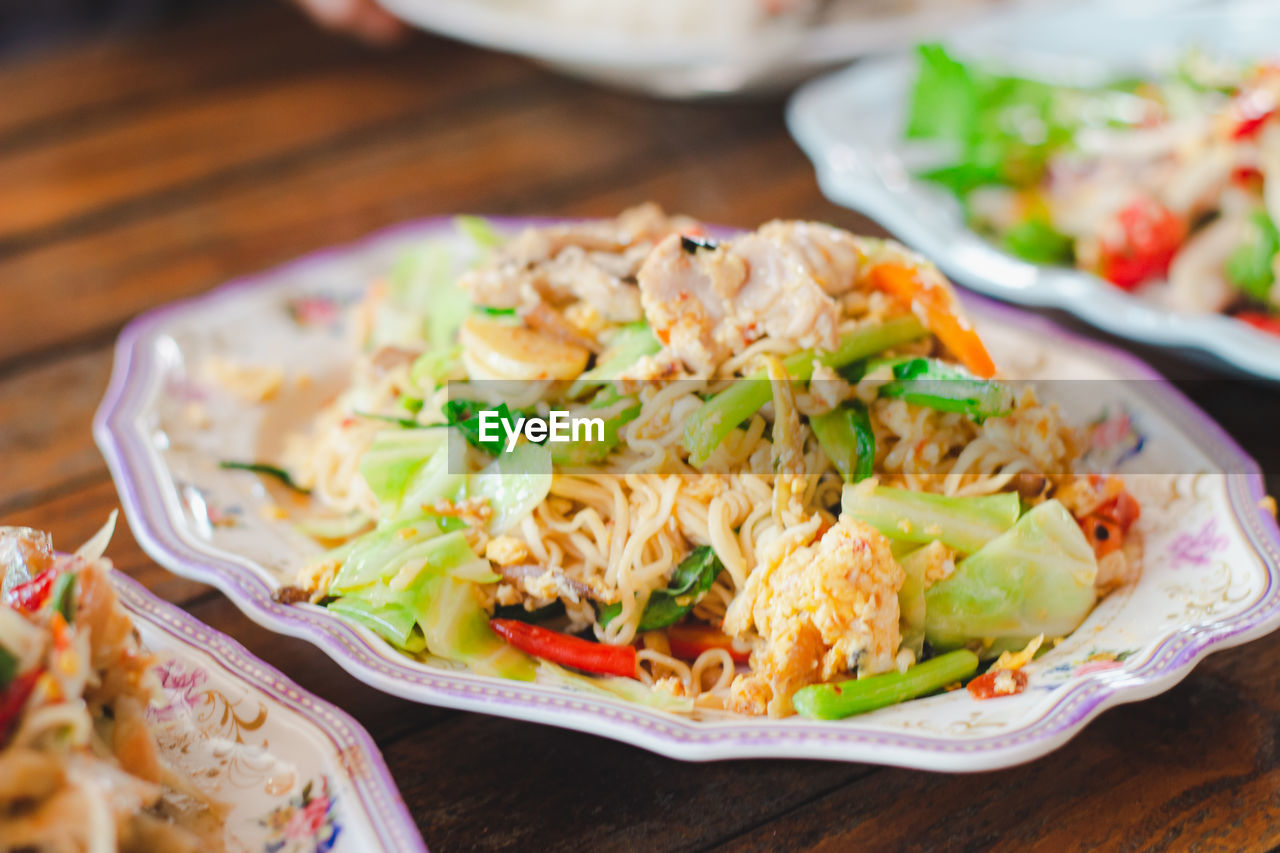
[(143, 496), (368, 775)]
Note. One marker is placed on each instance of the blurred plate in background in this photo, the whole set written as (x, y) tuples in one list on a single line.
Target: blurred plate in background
[(850, 123), (679, 49)]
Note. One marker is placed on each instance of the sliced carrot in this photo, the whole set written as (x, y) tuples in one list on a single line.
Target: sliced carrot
[(941, 314)]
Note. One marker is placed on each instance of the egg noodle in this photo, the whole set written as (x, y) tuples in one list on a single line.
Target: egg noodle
[(720, 368)]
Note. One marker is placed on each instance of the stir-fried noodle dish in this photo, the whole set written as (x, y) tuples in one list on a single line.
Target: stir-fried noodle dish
[(79, 764), (798, 484)]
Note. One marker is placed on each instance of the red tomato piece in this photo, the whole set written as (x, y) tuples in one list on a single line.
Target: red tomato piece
[(997, 683), (1152, 235)]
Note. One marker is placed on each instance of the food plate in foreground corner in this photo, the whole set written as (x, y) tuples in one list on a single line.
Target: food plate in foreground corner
[(850, 125), (296, 772), (1211, 575)]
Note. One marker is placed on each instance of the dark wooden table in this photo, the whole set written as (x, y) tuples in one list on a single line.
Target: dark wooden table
[(133, 172)]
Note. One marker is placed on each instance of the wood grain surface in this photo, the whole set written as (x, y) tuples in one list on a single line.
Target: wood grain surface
[(136, 171)]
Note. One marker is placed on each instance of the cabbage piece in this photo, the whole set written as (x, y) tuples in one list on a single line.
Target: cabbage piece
[(456, 627), (513, 483), (384, 553), (629, 344), (437, 366), (422, 301), (965, 524), (334, 527), (432, 482), (1035, 579), (912, 606), (482, 232), (415, 587), (394, 621), (394, 457)]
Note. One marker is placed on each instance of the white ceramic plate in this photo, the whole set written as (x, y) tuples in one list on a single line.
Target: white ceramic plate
[(708, 61), (295, 773), (1211, 576), (850, 124)]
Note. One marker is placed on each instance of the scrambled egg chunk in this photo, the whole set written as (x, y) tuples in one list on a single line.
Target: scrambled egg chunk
[(823, 610)]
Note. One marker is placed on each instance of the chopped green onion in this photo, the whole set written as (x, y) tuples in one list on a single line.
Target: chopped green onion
[(963, 523), (1250, 265), (62, 598), (712, 423), (8, 667), (465, 415), (937, 385), (846, 437), (1037, 241), (837, 701)]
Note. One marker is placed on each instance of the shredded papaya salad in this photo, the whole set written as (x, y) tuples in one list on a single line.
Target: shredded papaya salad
[(1166, 186), (808, 490), (79, 765)]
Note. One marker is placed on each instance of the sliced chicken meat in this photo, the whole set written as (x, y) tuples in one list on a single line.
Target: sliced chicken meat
[(707, 301), (593, 261)]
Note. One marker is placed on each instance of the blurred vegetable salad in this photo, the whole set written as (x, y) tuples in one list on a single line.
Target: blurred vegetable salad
[(1170, 187)]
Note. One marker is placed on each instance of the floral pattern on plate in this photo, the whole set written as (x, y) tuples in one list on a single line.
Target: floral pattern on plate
[(293, 772)]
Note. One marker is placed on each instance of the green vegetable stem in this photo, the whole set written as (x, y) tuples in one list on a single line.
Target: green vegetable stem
[(837, 701)]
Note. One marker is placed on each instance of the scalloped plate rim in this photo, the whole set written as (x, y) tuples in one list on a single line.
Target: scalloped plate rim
[(372, 663)]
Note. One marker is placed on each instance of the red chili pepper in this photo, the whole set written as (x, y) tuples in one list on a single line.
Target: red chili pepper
[(986, 687), (1152, 236), (567, 650), (12, 700), (689, 641), (1268, 323), (31, 596)]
